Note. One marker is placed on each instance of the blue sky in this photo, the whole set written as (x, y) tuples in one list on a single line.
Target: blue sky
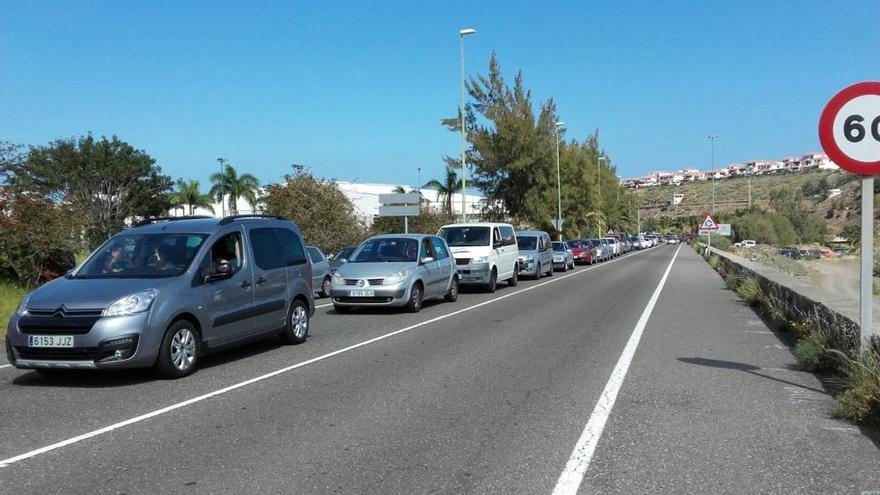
[(356, 90)]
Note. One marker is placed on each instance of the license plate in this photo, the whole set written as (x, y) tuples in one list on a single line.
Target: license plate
[(361, 293), (50, 341)]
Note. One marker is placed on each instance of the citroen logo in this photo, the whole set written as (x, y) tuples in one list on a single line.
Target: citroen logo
[(60, 311)]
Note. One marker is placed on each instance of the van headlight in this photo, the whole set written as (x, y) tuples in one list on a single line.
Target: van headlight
[(138, 302), (395, 278), (480, 259), (337, 279)]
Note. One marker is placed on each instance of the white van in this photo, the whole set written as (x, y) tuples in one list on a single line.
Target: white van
[(484, 253)]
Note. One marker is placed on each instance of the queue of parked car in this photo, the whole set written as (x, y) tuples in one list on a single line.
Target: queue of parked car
[(167, 291)]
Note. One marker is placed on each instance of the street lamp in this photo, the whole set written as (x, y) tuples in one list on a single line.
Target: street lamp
[(222, 190), (558, 185), (712, 138), (461, 34)]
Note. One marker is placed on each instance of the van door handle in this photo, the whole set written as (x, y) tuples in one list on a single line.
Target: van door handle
[(261, 280), (245, 284)]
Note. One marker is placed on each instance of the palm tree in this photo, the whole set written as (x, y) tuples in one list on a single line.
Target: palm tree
[(188, 194), (236, 186), (451, 184)]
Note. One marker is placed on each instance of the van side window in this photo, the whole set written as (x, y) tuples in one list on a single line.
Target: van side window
[(225, 250), (267, 248), (292, 248), (507, 236)]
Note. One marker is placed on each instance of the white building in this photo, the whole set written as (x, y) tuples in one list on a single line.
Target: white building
[(364, 196)]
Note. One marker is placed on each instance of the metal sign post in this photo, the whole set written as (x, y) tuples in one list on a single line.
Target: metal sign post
[(866, 279), (849, 130), (400, 205)]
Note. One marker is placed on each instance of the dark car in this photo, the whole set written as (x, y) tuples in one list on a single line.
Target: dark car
[(340, 258), (790, 252)]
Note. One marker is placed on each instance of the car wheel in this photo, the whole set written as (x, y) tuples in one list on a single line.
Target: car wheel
[(538, 272), (452, 295), (179, 351), (296, 328), (415, 298), (325, 287), (550, 271), (493, 281), (512, 281)]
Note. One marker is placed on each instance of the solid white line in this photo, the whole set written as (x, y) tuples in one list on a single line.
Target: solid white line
[(157, 412), (573, 475), (5, 365), (323, 306)]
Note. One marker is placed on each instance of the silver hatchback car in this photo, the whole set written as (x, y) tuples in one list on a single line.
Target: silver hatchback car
[(396, 270), (164, 292)]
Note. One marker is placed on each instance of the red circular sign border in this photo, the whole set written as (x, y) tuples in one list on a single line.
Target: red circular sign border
[(826, 128)]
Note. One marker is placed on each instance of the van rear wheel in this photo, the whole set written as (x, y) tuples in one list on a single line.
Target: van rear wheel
[(513, 280), (296, 327), (493, 281)]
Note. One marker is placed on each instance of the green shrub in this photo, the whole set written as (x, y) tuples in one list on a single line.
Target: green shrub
[(699, 247), (810, 352), (861, 401), (750, 291), (731, 281), (714, 262), (721, 242)]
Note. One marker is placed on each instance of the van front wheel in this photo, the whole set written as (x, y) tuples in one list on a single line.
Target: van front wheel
[(296, 328), (179, 351)]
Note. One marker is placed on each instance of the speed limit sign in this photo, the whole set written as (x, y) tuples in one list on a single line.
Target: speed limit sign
[(849, 128)]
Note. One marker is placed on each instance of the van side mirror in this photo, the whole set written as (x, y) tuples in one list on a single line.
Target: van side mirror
[(426, 260), (223, 272), (497, 244)]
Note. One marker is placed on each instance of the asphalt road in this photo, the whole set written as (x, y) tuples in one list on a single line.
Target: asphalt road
[(487, 395)]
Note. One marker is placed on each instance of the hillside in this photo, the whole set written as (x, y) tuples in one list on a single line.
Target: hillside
[(733, 194)]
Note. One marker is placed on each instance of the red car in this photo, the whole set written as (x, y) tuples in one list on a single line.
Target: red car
[(582, 252)]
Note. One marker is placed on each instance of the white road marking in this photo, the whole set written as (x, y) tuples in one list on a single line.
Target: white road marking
[(323, 306), (5, 365), (167, 409), (573, 474)]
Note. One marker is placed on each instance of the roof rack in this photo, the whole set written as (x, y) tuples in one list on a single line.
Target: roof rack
[(149, 221), (232, 218)]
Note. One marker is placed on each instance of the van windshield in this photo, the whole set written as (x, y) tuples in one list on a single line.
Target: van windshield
[(142, 256), (526, 243), (465, 236)]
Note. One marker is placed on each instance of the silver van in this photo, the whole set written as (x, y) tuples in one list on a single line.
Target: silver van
[(163, 293), (535, 253), (396, 270)]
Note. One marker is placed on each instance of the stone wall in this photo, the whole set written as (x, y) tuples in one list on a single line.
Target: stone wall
[(801, 302)]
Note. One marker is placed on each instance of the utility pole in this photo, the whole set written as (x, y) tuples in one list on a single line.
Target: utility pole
[(461, 34), (558, 186), (222, 189), (713, 137), (750, 193)]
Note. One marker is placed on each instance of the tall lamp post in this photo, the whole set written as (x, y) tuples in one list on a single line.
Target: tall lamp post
[(222, 192), (558, 185), (712, 138), (461, 34)]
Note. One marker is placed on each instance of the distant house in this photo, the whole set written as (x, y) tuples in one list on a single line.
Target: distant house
[(735, 169), (791, 164), (818, 160)]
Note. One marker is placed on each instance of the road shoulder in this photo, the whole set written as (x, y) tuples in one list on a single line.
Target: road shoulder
[(713, 402)]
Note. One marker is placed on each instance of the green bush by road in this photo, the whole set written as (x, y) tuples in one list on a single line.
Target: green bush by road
[(10, 297)]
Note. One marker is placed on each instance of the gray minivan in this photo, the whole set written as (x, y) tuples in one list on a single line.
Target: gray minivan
[(535, 253), (166, 291)]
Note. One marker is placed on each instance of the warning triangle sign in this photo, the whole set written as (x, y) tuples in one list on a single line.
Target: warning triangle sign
[(709, 223)]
